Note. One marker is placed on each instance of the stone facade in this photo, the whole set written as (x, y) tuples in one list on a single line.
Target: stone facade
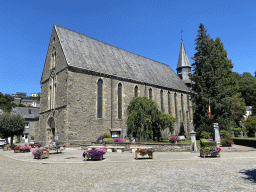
[(73, 114)]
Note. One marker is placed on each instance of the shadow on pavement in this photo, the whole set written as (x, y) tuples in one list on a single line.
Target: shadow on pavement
[(251, 175)]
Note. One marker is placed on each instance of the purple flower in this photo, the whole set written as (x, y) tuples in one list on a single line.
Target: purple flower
[(118, 140)]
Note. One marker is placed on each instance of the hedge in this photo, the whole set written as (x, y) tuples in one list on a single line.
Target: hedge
[(251, 142), (205, 142), (108, 140)]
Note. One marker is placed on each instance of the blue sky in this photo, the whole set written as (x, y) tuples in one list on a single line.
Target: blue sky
[(150, 28)]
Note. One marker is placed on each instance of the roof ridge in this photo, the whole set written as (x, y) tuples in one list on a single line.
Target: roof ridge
[(112, 45)]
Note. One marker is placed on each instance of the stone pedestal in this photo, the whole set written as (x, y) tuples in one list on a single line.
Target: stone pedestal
[(193, 140), (216, 133)]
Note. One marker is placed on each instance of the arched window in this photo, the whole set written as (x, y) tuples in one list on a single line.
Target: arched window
[(162, 101), (182, 108), (119, 101), (150, 93), (175, 102), (136, 91), (188, 104), (53, 59), (50, 97), (169, 103), (99, 104)]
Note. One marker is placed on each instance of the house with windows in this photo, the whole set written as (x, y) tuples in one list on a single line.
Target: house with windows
[(31, 116), (86, 86)]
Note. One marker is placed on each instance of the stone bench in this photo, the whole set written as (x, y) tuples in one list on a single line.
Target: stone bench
[(95, 147), (118, 149), (135, 148)]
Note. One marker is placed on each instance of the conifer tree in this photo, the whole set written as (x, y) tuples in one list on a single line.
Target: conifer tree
[(213, 80)]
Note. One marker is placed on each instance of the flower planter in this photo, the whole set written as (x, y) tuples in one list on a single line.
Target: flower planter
[(17, 151), (24, 151), (6, 148), (149, 155), (43, 155), (206, 154), (91, 158)]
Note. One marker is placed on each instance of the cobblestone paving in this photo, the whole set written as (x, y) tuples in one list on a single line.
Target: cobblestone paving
[(233, 171)]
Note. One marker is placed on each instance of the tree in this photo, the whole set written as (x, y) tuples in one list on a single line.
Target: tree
[(11, 124), (6, 102), (247, 87), (238, 108), (213, 79), (250, 125), (145, 120)]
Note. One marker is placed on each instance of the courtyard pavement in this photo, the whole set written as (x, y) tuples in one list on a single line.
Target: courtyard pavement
[(235, 170)]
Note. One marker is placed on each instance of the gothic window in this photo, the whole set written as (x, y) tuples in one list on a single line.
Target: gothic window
[(50, 97), (182, 109), (119, 101), (169, 103), (136, 91), (99, 105), (53, 59), (150, 93), (162, 101), (175, 102)]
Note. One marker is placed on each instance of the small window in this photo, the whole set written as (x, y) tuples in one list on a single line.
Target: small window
[(136, 91), (29, 111)]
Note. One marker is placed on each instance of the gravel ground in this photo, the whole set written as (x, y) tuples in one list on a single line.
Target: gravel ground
[(177, 171)]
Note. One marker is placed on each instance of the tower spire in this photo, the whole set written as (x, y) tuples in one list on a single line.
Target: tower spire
[(181, 34)]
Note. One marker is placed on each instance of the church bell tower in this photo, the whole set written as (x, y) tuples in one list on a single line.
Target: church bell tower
[(184, 67)]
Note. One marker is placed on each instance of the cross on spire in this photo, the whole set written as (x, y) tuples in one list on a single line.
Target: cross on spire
[(181, 33)]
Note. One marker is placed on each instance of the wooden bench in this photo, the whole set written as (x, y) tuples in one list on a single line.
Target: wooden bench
[(118, 149), (135, 148)]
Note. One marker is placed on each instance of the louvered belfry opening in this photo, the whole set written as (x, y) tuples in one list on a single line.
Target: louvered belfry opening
[(99, 105)]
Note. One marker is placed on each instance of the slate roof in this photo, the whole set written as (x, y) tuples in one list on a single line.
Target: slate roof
[(84, 52), (24, 111), (183, 58)]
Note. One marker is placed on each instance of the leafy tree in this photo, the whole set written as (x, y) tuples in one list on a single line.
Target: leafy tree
[(6, 101), (213, 79), (247, 87), (250, 125), (11, 124), (145, 120), (238, 108)]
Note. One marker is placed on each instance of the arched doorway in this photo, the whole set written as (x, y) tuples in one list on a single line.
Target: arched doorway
[(51, 124)]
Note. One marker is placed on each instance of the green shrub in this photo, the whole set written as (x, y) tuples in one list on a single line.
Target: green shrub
[(226, 142), (250, 125), (32, 137), (108, 140), (237, 131), (251, 142), (206, 135), (204, 142), (18, 139), (105, 135), (224, 134)]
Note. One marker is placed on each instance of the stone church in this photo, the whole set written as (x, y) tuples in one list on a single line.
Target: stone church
[(86, 86)]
